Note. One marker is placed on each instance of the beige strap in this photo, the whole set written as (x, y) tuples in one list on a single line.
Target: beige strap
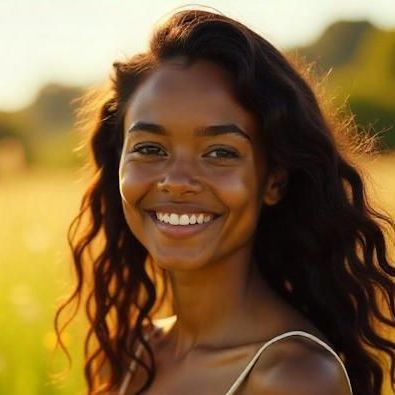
[(159, 324), (247, 369), (133, 364), (250, 365)]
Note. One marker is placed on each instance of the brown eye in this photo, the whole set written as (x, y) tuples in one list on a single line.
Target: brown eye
[(224, 154), (146, 150)]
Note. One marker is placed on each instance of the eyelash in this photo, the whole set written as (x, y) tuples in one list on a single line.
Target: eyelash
[(138, 149)]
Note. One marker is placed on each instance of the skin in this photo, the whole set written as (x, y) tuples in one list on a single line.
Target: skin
[(225, 310)]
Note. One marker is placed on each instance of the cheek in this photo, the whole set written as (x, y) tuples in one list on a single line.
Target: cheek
[(133, 186), (239, 193), (237, 188), (133, 182)]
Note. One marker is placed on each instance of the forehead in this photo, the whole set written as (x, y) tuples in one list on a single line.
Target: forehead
[(198, 94)]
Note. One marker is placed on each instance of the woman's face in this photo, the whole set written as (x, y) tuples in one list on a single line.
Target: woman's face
[(190, 148)]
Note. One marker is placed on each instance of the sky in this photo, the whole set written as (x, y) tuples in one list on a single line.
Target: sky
[(76, 42)]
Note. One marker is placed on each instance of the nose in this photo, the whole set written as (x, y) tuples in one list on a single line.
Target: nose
[(180, 178)]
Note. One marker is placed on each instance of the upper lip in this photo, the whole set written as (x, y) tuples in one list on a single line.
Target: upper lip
[(181, 209)]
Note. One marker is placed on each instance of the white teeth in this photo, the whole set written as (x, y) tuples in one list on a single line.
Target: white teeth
[(183, 219), (174, 219), (206, 218)]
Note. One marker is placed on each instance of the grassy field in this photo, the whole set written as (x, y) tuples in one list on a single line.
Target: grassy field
[(35, 210)]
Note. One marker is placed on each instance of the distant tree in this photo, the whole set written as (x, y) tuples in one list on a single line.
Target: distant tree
[(53, 111), (337, 45), (362, 62)]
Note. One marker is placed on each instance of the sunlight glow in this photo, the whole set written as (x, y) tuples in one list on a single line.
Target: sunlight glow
[(76, 42)]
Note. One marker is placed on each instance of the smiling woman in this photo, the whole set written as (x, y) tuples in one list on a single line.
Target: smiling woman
[(225, 194)]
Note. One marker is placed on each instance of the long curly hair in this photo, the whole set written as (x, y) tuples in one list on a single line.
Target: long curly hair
[(336, 269)]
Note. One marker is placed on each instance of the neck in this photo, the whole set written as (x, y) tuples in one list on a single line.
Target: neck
[(210, 302)]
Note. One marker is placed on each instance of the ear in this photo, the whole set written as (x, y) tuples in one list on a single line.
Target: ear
[(275, 186)]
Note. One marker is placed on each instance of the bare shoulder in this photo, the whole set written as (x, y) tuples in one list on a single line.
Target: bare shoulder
[(297, 366)]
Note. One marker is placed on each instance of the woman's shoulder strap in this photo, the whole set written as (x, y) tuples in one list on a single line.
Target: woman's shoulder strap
[(133, 363), (275, 339)]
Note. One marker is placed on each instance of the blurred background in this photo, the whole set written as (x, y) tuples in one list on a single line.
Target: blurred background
[(51, 52)]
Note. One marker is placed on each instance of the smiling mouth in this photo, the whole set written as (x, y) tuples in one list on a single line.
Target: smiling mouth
[(181, 231)]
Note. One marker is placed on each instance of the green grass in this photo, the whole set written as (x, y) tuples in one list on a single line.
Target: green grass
[(35, 211)]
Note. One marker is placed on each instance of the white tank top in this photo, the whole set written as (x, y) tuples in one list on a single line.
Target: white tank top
[(236, 384)]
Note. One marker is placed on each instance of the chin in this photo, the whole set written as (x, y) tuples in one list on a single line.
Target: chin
[(180, 263)]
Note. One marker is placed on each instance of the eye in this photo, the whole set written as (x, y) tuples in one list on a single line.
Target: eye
[(149, 150), (146, 150), (224, 154)]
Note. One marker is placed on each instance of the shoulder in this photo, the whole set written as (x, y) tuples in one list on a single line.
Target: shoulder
[(298, 366)]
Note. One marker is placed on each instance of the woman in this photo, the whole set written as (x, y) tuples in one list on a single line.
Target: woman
[(220, 185)]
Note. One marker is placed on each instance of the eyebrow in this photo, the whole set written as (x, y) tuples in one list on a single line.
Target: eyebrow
[(214, 130)]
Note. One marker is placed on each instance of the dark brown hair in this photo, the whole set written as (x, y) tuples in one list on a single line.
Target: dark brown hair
[(335, 269)]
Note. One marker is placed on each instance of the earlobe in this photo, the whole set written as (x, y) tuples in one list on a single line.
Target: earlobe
[(275, 187)]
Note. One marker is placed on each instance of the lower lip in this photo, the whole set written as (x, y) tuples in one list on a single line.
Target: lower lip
[(180, 231)]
